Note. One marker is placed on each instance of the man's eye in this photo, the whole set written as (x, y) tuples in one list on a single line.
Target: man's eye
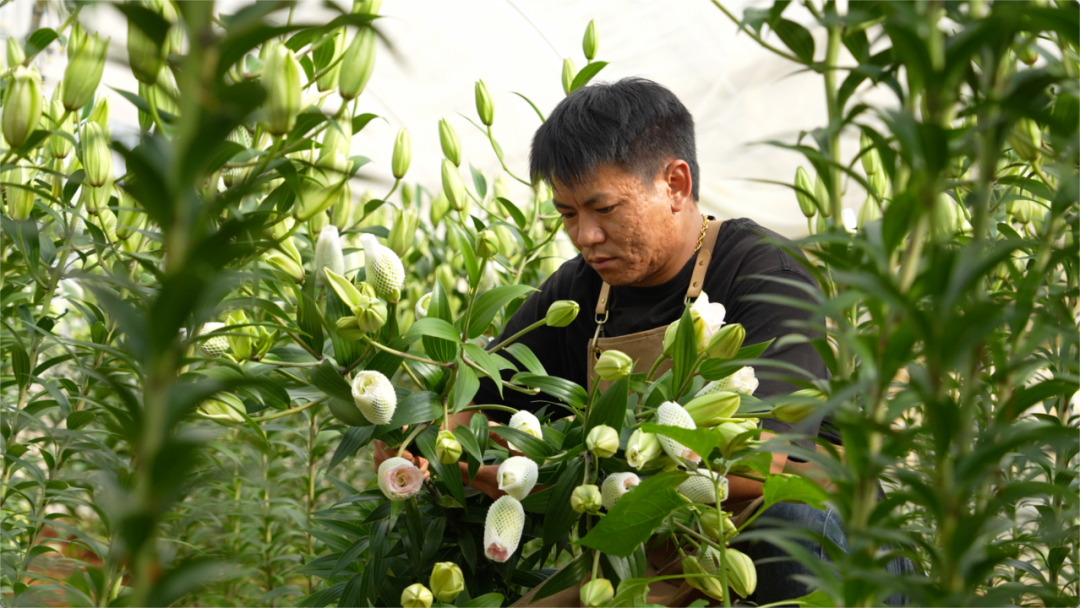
[(606, 210), (567, 216)]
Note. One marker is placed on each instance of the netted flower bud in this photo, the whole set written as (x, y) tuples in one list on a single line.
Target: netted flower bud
[(451, 145), (569, 71), (224, 408), (484, 108), (596, 592), (642, 448), (517, 476), (671, 413), (22, 106), (216, 345), (503, 527), (743, 381), (713, 408), (801, 404), (96, 156), (374, 396), (144, 55), (86, 61), (1026, 139), (741, 573), (615, 486), (447, 448), (403, 232), (702, 487), (422, 306), (416, 595), (328, 253), (869, 212), (590, 42), (602, 441), (586, 498), (713, 525), (561, 313), (357, 64), (727, 341), (613, 365), (328, 56), (804, 192), (447, 581), (453, 187), (281, 79), (384, 269), (527, 422), (399, 479), (487, 244), (399, 164)]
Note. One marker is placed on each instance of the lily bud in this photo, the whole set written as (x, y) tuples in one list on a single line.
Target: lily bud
[(451, 145), (402, 154), (242, 346), (281, 78), (727, 341), (642, 449), (374, 396), (20, 200), (447, 448), (603, 441), (569, 71), (517, 476), (879, 183), (713, 408), (328, 252), (596, 592), (714, 525), (946, 216), (144, 56), (96, 156), (327, 56), (741, 574), (671, 413), (561, 313), (615, 486), (613, 365), (735, 435), (447, 581), (416, 596), (286, 258), (128, 217), (871, 160), (453, 187), (440, 206), (1026, 139), (96, 198), (22, 106), (61, 146), (484, 108), (422, 306), (503, 527), (384, 269), (216, 346), (86, 61), (804, 192), (403, 232), (586, 498), (15, 53), (705, 487), (487, 244), (869, 212), (357, 64), (803, 403), (709, 586), (223, 408), (590, 42), (366, 7), (821, 197), (106, 220)]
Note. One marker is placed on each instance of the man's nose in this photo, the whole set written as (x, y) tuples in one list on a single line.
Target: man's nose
[(590, 232)]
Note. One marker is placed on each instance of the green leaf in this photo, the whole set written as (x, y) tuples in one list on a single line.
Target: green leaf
[(429, 326), (563, 390), (439, 308), (361, 121), (468, 256), (586, 74), (448, 474), (515, 213), (79, 419), (479, 181), (488, 600), (683, 351), (701, 441), (526, 357), (468, 442), (20, 363), (610, 408), (631, 593), (531, 104), (796, 38), (489, 303), (536, 449), (423, 406), (326, 378), (465, 388), (637, 515), (486, 362), (560, 519), (570, 575), (355, 437), (310, 320), (792, 488)]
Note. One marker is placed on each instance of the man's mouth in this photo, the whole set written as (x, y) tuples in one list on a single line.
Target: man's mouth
[(601, 262)]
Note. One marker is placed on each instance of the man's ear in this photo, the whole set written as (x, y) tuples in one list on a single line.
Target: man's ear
[(680, 185)]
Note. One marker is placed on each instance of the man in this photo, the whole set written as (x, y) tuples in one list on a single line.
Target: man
[(622, 164)]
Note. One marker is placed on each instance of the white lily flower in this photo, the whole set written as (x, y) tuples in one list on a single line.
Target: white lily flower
[(708, 319)]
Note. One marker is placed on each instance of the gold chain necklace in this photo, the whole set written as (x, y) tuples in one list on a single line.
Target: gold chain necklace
[(701, 237)]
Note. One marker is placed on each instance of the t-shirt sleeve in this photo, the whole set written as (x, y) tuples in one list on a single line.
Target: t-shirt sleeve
[(764, 321)]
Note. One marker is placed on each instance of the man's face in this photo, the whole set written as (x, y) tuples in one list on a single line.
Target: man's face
[(625, 229)]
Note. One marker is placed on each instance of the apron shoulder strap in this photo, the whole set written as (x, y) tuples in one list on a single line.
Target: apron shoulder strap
[(697, 280), (603, 300)]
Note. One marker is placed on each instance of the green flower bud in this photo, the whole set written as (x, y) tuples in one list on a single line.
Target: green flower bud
[(403, 232), (946, 217), (613, 365), (337, 140), (804, 192), (15, 53), (223, 408), (328, 255), (20, 199), (241, 339), (727, 341), (569, 71), (357, 65), (642, 449), (371, 312), (869, 212), (709, 586), (440, 206), (742, 576), (871, 160), (802, 403), (714, 525), (86, 61), (447, 581), (487, 244), (402, 154), (22, 106), (144, 56), (712, 409), (162, 96), (602, 441), (96, 155), (1027, 54), (596, 592), (586, 498), (590, 42), (451, 145), (366, 7), (453, 186), (416, 596), (106, 221), (94, 199), (1026, 139), (447, 451), (484, 108), (61, 146), (281, 78), (286, 258), (735, 435), (821, 197), (561, 313), (879, 184), (328, 55), (128, 217)]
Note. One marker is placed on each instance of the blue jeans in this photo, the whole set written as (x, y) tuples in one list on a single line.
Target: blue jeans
[(774, 576)]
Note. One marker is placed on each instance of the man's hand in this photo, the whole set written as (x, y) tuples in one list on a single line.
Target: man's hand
[(486, 480), (382, 453)]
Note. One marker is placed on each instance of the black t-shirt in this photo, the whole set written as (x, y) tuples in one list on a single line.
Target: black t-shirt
[(740, 254)]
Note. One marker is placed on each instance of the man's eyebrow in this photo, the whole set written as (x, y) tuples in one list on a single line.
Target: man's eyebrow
[(589, 203)]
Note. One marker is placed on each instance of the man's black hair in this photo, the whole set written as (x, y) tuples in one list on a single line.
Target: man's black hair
[(634, 124)]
